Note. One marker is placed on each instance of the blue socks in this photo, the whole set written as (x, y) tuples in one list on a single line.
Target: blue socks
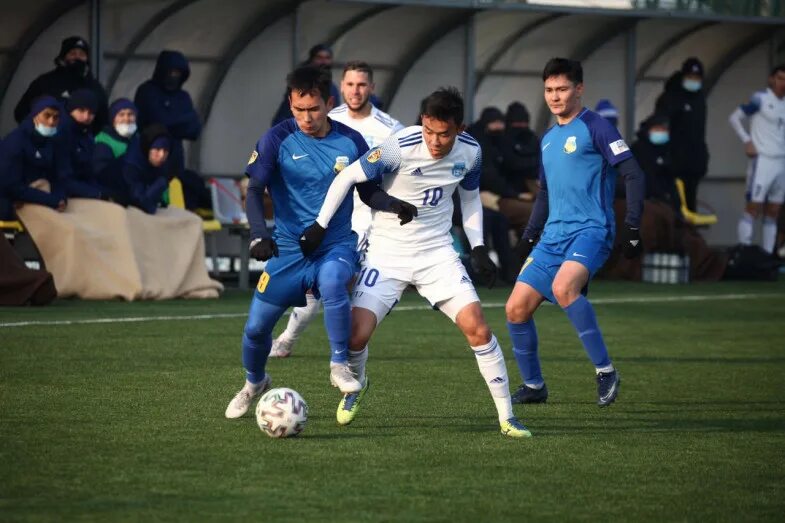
[(333, 279), (581, 314), (524, 348), (257, 337)]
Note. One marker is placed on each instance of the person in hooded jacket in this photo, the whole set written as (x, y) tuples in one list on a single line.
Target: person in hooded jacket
[(148, 169), (684, 105), (111, 145), (521, 149), (32, 163), (72, 72), (163, 100), (77, 138), (651, 151)]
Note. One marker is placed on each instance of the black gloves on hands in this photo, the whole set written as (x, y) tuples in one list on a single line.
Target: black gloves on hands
[(523, 249), (263, 249), (631, 243), (311, 238), (406, 211), (483, 266)]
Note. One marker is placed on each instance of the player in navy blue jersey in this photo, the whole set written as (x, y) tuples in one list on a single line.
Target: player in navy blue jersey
[(296, 161), (571, 230)]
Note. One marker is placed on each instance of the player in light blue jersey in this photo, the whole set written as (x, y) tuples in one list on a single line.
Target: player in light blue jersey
[(571, 230), (296, 161)]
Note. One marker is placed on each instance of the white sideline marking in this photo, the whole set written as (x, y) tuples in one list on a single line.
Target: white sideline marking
[(489, 305)]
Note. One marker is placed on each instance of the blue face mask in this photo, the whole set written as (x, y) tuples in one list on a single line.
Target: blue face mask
[(659, 137), (45, 130), (692, 86)]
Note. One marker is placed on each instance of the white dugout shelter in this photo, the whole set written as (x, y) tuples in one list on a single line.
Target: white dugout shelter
[(241, 50)]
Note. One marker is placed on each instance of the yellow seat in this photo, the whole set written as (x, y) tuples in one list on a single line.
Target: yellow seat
[(694, 218), (11, 226), (177, 199)]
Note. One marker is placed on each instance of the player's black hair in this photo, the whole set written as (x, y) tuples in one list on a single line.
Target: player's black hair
[(359, 65), (306, 79), (572, 69), (777, 69), (444, 104)]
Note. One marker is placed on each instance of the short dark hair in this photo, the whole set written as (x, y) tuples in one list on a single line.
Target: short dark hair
[(572, 69), (777, 69), (360, 66), (444, 104), (306, 79)]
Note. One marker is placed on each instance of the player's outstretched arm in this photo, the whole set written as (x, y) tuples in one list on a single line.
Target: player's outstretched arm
[(536, 223), (471, 212), (635, 185), (262, 245), (374, 197)]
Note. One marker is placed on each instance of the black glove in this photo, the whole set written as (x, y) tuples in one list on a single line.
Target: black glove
[(523, 249), (263, 249), (631, 243), (483, 266), (406, 211), (311, 238)]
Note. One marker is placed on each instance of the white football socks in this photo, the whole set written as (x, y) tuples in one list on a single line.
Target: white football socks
[(357, 361), (493, 369), (301, 317), (745, 228), (769, 234)]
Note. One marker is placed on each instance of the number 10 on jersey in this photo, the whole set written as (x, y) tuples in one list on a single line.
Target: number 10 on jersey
[(434, 195)]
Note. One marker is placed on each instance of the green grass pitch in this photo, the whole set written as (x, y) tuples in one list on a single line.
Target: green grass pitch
[(124, 420)]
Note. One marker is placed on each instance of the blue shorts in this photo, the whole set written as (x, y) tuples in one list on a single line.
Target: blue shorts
[(288, 276), (589, 249)]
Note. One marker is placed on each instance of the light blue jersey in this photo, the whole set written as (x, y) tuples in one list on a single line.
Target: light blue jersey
[(576, 169), (298, 169)]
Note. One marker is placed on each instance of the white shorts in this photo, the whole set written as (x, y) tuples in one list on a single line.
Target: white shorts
[(439, 277), (766, 179)]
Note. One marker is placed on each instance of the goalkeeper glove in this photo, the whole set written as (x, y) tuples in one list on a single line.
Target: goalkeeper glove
[(483, 266), (523, 249), (406, 211), (311, 238), (263, 249), (631, 243)]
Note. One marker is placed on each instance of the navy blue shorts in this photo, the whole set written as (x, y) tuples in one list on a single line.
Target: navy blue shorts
[(589, 249)]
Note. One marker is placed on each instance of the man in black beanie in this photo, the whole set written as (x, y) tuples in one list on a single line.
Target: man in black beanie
[(521, 151), (71, 72)]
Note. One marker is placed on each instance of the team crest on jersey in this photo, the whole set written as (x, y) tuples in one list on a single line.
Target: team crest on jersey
[(375, 156), (459, 169), (570, 146), (340, 163), (252, 159)]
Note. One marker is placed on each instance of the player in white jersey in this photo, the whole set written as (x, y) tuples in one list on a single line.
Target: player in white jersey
[(765, 146), (375, 126), (422, 165)]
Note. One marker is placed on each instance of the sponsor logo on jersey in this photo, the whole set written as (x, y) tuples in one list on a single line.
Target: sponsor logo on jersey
[(375, 156), (252, 159), (417, 172), (340, 163), (459, 169), (298, 156), (570, 146), (618, 147), (465, 279)]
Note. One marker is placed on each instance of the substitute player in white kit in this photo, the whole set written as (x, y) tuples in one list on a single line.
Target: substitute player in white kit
[(375, 126), (422, 165), (765, 146)]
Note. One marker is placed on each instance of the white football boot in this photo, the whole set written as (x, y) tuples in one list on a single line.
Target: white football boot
[(341, 376), (243, 399), (282, 347)]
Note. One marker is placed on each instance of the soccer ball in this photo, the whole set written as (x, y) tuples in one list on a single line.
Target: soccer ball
[(281, 413)]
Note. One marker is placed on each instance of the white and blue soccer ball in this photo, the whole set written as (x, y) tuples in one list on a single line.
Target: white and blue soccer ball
[(281, 413)]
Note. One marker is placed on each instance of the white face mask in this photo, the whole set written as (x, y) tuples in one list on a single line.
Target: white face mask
[(45, 130), (692, 86), (125, 129)]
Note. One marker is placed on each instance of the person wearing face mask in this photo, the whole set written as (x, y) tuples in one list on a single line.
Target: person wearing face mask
[(77, 137), (653, 155), (521, 152), (111, 145), (32, 162), (163, 100), (683, 103), (72, 72), (148, 167)]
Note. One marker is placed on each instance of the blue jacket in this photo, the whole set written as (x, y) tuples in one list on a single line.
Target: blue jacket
[(146, 184), (26, 156), (172, 108), (81, 181)]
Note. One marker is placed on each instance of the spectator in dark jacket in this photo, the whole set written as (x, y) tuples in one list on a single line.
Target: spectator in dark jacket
[(32, 162), (163, 100), (684, 105), (651, 151), (76, 136), (111, 145), (521, 149), (72, 72), (148, 170)]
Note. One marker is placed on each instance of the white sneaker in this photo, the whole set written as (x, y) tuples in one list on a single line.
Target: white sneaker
[(282, 347), (341, 376), (243, 399)]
